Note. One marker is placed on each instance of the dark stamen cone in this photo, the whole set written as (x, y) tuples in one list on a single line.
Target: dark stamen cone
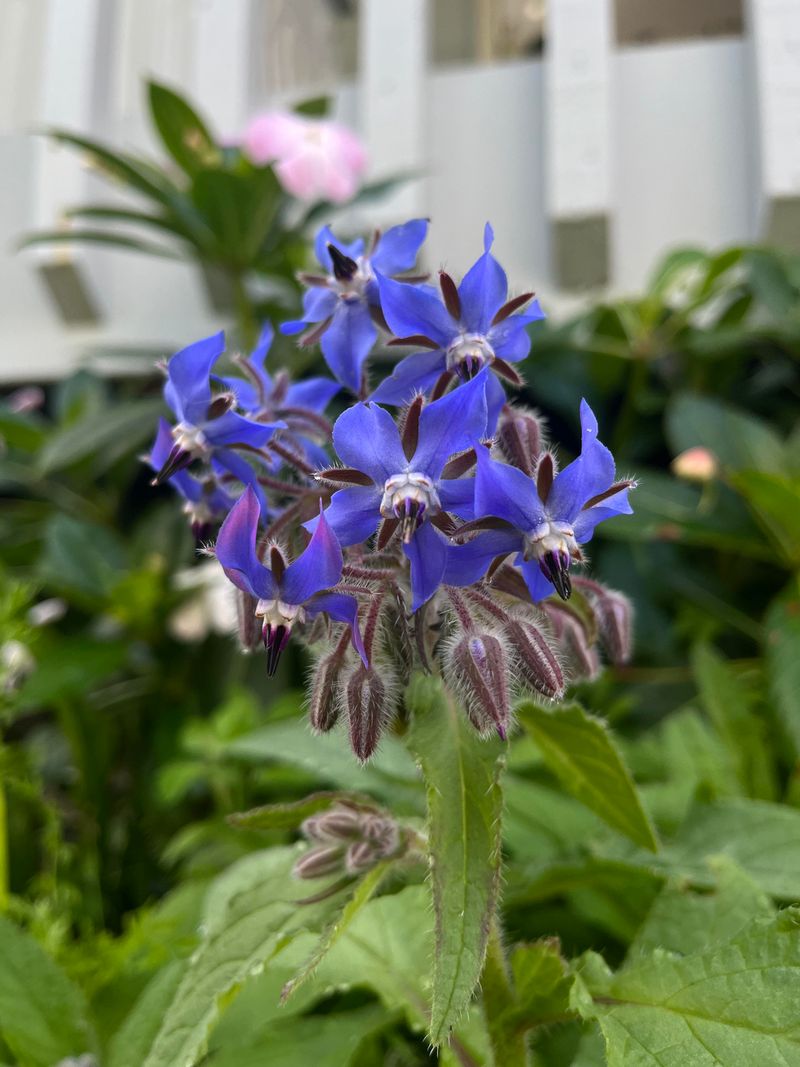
[(519, 434), (477, 669), (555, 567), (536, 660), (276, 639), (178, 460), (344, 268)]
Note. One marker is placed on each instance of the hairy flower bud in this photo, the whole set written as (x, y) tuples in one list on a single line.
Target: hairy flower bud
[(571, 635), (614, 615), (476, 667), (320, 862), (249, 625), (324, 703), (535, 659), (519, 435), (360, 856), (369, 700), (336, 824)]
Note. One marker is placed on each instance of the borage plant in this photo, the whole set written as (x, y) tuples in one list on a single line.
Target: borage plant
[(434, 565)]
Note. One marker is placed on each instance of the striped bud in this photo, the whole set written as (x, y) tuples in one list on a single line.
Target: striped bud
[(614, 614), (324, 704), (476, 667), (360, 856), (519, 435), (320, 862), (536, 661), (338, 823), (571, 636), (367, 698)]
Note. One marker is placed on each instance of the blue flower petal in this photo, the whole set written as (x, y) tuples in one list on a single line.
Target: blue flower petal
[(318, 567), (348, 341), (450, 425), (483, 292), (457, 495), (343, 608), (495, 402), (227, 460), (538, 586), (353, 514), (188, 390), (468, 563), (506, 493), (416, 373), (415, 309), (591, 473), (584, 525), (427, 554), (233, 429), (398, 248), (314, 394), (366, 437), (236, 549)]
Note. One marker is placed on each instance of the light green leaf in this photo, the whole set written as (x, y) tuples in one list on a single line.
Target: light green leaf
[(250, 924), (464, 819), (733, 1005), (287, 816), (579, 750), (739, 440), (183, 132), (122, 242), (684, 921), (390, 773), (131, 1042), (742, 732), (121, 429), (775, 500), (43, 1016), (783, 661)]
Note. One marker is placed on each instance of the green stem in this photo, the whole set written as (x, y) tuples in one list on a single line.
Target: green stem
[(245, 315), (4, 857), (509, 1043)]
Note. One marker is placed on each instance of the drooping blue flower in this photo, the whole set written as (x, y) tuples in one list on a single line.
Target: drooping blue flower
[(344, 302), (542, 519), (469, 327), (298, 405), (287, 594), (404, 487), (205, 423)]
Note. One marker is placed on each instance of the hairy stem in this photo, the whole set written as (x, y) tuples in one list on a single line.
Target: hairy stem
[(509, 1044)]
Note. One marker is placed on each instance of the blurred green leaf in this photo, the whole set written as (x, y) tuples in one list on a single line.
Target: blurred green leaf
[(541, 987), (183, 132), (106, 436), (782, 669), (133, 1039), (239, 209), (581, 753), (317, 107), (69, 667), (737, 439), (81, 557), (465, 804), (97, 237), (289, 815), (775, 500), (43, 1016), (771, 281)]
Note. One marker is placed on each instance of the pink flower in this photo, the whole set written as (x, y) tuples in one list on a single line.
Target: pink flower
[(314, 159)]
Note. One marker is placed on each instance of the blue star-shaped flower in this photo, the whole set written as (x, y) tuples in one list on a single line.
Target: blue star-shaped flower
[(401, 482), (205, 423), (286, 594), (543, 519), (472, 326), (205, 501), (344, 302), (276, 399)]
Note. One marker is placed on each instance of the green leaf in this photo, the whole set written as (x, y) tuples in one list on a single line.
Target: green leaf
[(738, 440), (81, 557), (97, 237), (316, 107), (464, 817), (783, 661), (367, 194), (43, 1016), (183, 132), (742, 732), (541, 985), (775, 501), (684, 921), (131, 1042), (391, 773), (289, 815), (116, 432), (733, 1005), (249, 927), (239, 208), (363, 892), (771, 281), (579, 750), (676, 268), (164, 224)]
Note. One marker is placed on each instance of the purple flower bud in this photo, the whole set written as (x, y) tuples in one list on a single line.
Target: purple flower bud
[(360, 856), (614, 614), (368, 702), (337, 824), (536, 661), (519, 435), (476, 667), (382, 832), (320, 862), (571, 635)]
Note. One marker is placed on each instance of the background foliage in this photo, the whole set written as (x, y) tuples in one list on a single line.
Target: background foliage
[(648, 863)]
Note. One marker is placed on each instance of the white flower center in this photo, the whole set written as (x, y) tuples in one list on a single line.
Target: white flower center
[(469, 354), (410, 497), (549, 537), (355, 288), (276, 613), (190, 439)]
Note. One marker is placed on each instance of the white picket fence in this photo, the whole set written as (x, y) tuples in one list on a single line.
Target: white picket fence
[(511, 143)]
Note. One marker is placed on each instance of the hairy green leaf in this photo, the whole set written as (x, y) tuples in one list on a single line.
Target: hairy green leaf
[(43, 1016), (581, 753), (287, 816), (464, 816)]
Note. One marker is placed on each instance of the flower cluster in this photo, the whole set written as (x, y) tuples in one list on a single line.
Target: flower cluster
[(442, 536)]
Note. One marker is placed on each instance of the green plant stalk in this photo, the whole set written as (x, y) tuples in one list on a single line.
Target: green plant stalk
[(246, 321), (4, 857), (509, 1044)]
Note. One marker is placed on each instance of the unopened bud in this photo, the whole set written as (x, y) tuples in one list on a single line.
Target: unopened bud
[(367, 708), (324, 704), (335, 824), (477, 668), (571, 636), (382, 832), (536, 661), (320, 862), (614, 615), (249, 625), (519, 434), (696, 465), (360, 856)]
